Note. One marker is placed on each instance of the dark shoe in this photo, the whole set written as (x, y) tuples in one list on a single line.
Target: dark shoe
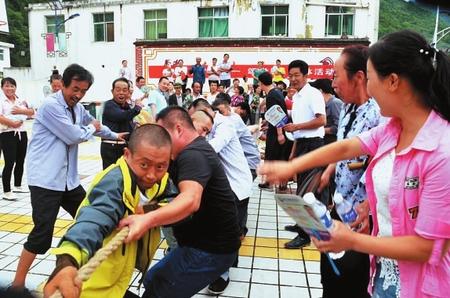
[(264, 185), (297, 242), (292, 228), (218, 286)]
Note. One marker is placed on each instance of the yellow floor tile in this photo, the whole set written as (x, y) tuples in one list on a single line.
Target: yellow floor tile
[(266, 252), (11, 226), (249, 241), (23, 219), (26, 229), (266, 242), (291, 254), (8, 217), (281, 242), (246, 251), (62, 223), (311, 255), (60, 233)]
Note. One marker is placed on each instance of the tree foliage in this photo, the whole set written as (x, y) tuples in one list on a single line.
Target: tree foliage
[(18, 31), (397, 15)]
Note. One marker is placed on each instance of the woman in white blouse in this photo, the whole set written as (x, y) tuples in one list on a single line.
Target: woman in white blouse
[(13, 113)]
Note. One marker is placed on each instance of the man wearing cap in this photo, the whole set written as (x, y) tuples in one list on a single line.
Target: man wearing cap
[(178, 97)]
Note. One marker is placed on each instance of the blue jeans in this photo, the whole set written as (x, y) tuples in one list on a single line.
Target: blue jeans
[(184, 272), (378, 291)]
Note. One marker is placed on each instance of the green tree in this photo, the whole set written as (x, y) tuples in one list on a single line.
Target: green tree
[(396, 15), (18, 31)]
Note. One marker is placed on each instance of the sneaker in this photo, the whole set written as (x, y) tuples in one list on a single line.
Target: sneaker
[(20, 189), (218, 286), (9, 196)]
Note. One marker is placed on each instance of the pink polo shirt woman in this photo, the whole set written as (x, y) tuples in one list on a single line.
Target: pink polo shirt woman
[(419, 199)]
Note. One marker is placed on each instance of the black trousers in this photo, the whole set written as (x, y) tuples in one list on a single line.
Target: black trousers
[(110, 153), (14, 145), (46, 204), (303, 146), (354, 279)]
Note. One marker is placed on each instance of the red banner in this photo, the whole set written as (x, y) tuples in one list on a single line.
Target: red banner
[(241, 70), (50, 42)]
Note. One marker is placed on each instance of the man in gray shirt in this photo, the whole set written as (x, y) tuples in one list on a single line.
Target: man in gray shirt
[(52, 162)]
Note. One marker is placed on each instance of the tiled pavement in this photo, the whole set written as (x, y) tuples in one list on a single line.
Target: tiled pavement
[(265, 268)]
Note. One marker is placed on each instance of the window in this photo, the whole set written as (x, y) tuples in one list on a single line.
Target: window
[(274, 20), (213, 22), (104, 26), (339, 21), (2, 54), (155, 22), (53, 21)]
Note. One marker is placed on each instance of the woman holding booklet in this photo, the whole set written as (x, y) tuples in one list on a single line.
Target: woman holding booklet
[(407, 181)]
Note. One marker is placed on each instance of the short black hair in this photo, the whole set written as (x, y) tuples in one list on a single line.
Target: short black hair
[(173, 114), (162, 78), (244, 106), (76, 72), (265, 78), (138, 78), (302, 65), (55, 77), (200, 103), (120, 80), (224, 96), (8, 80), (220, 100), (193, 83), (324, 85), (150, 133), (356, 57)]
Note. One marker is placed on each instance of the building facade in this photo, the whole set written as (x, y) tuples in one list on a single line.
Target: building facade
[(100, 34), (4, 46)]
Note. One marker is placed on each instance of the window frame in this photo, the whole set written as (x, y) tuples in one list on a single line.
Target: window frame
[(62, 28), (105, 26), (214, 18), (274, 16), (341, 15), (2, 55), (156, 20)]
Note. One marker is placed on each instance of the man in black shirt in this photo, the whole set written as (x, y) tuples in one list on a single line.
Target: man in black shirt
[(208, 236), (118, 116)]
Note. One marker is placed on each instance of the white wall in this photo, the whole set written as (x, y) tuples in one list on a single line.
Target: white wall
[(103, 58)]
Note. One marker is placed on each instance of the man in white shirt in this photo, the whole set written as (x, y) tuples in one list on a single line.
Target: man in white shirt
[(196, 90), (212, 91), (308, 122), (124, 71), (213, 72), (225, 71), (138, 95)]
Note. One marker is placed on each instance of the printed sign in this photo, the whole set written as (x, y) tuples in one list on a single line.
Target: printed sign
[(302, 214), (276, 116)]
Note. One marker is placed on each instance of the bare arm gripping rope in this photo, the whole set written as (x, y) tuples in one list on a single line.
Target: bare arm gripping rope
[(85, 272)]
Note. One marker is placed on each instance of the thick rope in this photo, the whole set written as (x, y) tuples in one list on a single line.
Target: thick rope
[(85, 272)]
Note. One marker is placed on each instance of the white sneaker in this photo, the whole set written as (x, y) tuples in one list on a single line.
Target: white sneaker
[(20, 189), (9, 196)]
